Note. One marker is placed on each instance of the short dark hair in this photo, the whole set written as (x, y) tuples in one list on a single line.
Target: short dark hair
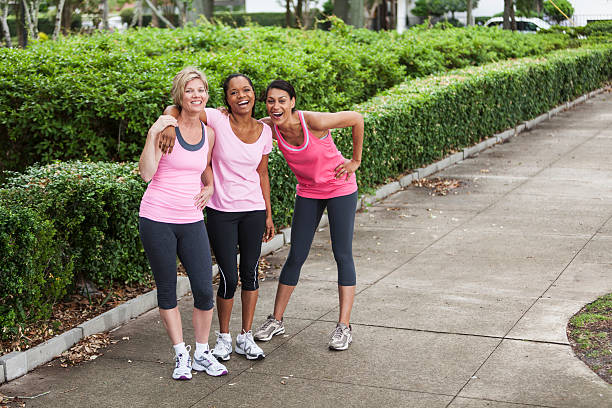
[(226, 86), (283, 86)]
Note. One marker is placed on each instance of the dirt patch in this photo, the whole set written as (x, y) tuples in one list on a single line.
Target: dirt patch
[(590, 334)]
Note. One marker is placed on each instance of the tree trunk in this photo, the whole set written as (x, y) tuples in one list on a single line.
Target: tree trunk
[(183, 11), (28, 19), (137, 17), (154, 19), (105, 15), (159, 14), (287, 13), (67, 15), (508, 8), (209, 9), (5, 28), (22, 35), (58, 19), (469, 18), (299, 13), (512, 18)]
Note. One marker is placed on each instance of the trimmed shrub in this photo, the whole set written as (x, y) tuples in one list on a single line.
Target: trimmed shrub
[(598, 27), (94, 209), (424, 120), (36, 270), (95, 96)]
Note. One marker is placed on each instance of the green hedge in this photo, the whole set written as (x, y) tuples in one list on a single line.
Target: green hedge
[(598, 27), (94, 210), (421, 121), (35, 268), (95, 96)]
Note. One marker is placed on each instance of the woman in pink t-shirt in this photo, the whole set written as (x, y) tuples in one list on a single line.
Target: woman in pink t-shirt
[(326, 180), (239, 213)]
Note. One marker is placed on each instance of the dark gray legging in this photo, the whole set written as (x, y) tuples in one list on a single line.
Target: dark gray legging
[(162, 242), (306, 216)]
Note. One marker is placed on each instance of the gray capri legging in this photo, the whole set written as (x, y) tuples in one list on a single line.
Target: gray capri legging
[(162, 242), (306, 216)]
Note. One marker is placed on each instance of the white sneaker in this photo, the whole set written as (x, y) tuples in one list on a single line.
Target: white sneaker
[(341, 337), (182, 369), (270, 328), (207, 362), (245, 345), (223, 347)]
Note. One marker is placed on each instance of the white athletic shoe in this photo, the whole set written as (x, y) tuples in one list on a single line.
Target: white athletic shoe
[(245, 345), (182, 369), (270, 328), (223, 347), (207, 362)]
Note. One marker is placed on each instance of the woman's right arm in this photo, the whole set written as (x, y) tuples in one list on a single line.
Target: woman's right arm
[(151, 153), (168, 136)]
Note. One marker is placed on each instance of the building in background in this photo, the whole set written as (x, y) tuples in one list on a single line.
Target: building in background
[(386, 14)]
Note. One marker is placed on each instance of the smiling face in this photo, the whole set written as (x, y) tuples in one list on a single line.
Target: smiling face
[(195, 96), (279, 105), (240, 96)]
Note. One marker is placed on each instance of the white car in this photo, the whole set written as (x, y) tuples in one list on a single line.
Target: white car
[(523, 24)]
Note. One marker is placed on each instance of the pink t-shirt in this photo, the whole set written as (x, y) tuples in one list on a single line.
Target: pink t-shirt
[(234, 164), (314, 164), (170, 194)]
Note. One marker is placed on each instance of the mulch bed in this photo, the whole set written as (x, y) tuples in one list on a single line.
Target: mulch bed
[(77, 309), (71, 312)]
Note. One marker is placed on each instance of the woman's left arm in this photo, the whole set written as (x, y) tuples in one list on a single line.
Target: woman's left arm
[(264, 180), (322, 121), (201, 199)]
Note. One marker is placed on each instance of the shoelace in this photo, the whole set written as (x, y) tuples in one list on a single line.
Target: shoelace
[(213, 362), (183, 359), (249, 342), (268, 323), (338, 333), (223, 342)]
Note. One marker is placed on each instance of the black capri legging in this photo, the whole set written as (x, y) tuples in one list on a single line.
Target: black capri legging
[(162, 242), (306, 216), (228, 232)]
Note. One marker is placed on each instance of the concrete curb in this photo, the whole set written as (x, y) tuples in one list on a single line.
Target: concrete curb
[(16, 364)]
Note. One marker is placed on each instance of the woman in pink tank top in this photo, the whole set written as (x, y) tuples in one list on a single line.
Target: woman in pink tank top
[(171, 221), (326, 180)]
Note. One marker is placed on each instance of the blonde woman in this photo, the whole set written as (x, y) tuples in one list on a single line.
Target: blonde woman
[(171, 220)]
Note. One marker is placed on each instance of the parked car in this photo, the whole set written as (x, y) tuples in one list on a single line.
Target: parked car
[(523, 24)]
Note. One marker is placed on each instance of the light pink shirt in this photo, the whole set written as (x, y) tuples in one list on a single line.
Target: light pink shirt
[(234, 164), (170, 194), (314, 164)]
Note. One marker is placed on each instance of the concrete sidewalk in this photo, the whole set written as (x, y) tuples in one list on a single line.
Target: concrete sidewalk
[(462, 299)]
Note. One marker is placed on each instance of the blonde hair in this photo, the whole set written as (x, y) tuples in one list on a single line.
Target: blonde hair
[(180, 81)]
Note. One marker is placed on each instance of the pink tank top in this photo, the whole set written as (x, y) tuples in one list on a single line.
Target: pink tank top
[(169, 195), (314, 163)]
